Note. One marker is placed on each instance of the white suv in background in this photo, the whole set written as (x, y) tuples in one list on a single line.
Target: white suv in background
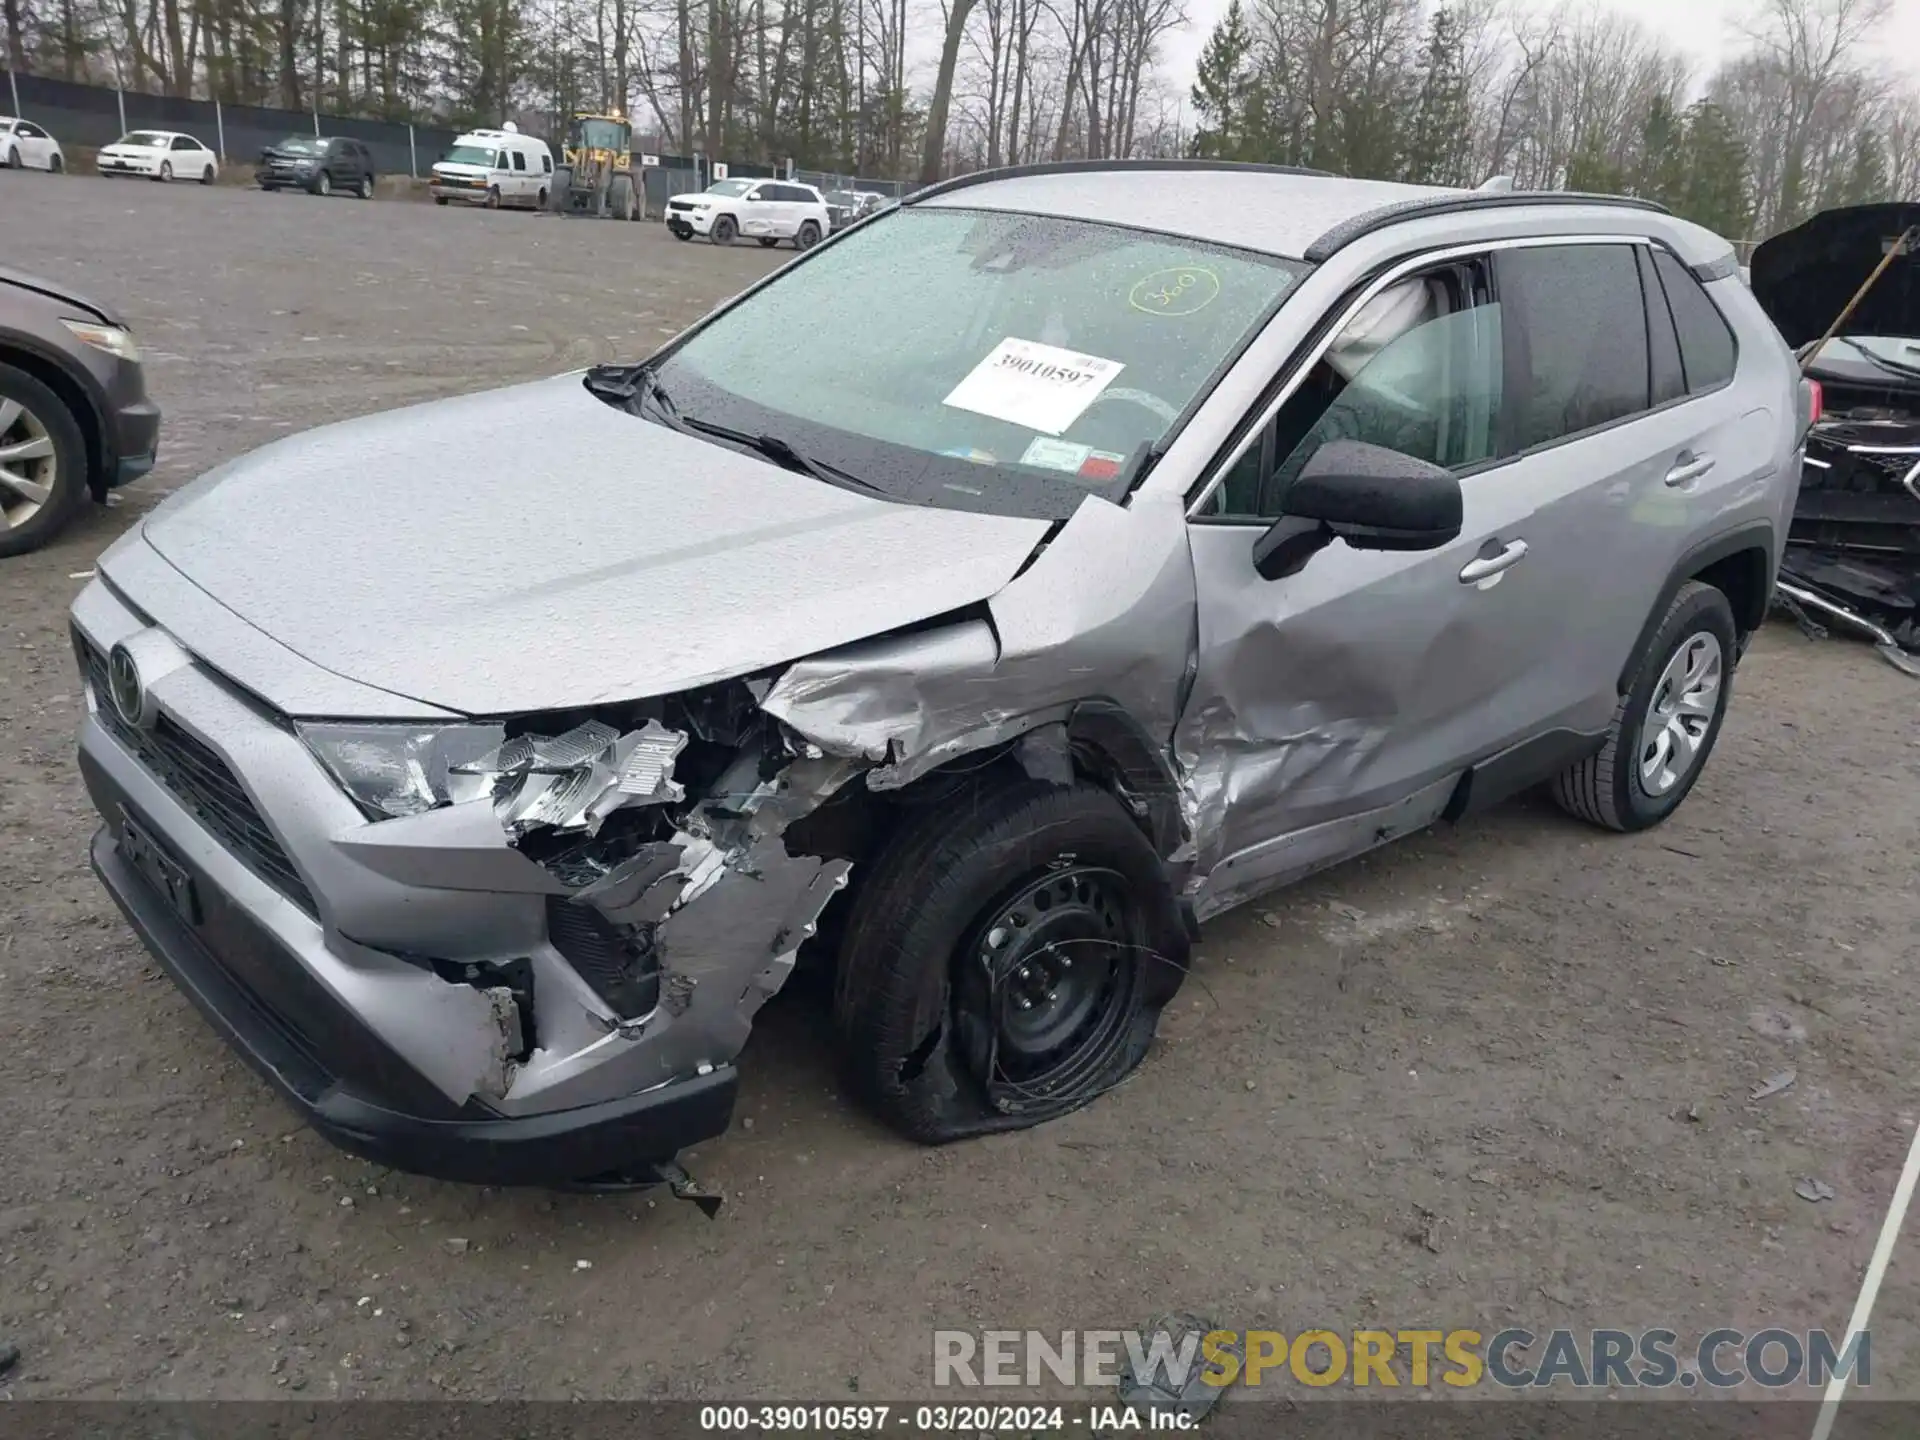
[(765, 210), (25, 146)]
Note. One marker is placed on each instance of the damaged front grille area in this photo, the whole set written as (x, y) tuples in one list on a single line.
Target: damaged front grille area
[(619, 962)]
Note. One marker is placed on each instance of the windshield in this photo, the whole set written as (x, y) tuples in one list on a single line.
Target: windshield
[(1021, 364), (842, 197), (299, 145), (731, 187), (599, 134), (470, 155), (145, 140)]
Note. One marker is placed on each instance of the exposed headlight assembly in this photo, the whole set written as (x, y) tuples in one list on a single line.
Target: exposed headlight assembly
[(564, 782)]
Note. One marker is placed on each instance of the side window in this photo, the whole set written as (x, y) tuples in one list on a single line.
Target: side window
[(32, 132), (546, 164), (1669, 381), (1706, 344), (760, 194), (1419, 370), (181, 142), (1581, 331), (519, 161), (500, 160)]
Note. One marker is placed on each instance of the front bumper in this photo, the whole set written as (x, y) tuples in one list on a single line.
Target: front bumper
[(296, 1037), (690, 222), (466, 194), (122, 165), (136, 441)]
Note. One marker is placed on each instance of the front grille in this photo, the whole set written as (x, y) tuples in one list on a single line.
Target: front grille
[(201, 780), (680, 205)]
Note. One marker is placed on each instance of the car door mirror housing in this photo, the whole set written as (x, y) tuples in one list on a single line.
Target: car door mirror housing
[(1367, 495)]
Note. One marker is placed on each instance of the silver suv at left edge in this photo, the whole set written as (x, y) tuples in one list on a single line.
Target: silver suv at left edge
[(1186, 529)]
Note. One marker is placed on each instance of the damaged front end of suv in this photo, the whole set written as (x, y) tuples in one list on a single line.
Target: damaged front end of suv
[(1853, 560)]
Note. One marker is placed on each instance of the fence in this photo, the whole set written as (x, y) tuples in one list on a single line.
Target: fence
[(96, 115)]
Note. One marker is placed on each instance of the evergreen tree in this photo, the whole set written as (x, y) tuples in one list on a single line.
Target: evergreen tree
[(1441, 119), (1223, 89), (1714, 192), (1593, 170), (1660, 171), (1866, 179)]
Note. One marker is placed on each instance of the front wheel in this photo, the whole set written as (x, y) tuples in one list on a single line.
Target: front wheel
[(323, 184), (1666, 724), (493, 198), (439, 199), (767, 242), (14, 162), (43, 463), (1006, 960), (724, 230), (166, 172), (808, 237)]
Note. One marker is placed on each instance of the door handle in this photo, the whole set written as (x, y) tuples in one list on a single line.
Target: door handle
[(1487, 566), (1689, 467)]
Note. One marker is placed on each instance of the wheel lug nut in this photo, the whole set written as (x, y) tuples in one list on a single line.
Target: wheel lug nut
[(1026, 972), (1023, 1002)]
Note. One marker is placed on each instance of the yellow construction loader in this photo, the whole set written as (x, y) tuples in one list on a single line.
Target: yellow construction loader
[(595, 174)]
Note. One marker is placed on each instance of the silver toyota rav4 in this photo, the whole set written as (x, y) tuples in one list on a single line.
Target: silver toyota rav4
[(1164, 533)]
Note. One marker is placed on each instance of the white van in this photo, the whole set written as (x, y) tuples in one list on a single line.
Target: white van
[(495, 168)]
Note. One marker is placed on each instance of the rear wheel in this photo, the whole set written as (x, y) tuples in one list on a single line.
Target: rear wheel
[(43, 463), (767, 242), (808, 237), (1006, 960), (1666, 724), (206, 176), (724, 230), (58, 165), (365, 189)]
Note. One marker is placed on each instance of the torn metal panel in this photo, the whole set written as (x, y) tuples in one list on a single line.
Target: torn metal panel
[(573, 781), (1045, 753), (1106, 610)]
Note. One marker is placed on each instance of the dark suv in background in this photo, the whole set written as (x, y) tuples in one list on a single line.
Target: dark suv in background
[(318, 164)]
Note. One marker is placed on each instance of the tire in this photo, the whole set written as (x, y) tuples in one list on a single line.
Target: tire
[(323, 185), (440, 199), (915, 1012), (493, 197), (206, 176), (724, 229), (1627, 786), (14, 162), (69, 463), (807, 237), (767, 242), (57, 165), (620, 197), (365, 188), (165, 175), (561, 188)]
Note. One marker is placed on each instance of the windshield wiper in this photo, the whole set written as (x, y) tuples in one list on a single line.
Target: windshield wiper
[(784, 454), (1892, 367), (631, 386)]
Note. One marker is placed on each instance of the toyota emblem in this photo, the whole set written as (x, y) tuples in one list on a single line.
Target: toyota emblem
[(129, 696)]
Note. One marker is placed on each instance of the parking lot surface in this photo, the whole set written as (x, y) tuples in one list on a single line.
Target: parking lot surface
[(1498, 1075)]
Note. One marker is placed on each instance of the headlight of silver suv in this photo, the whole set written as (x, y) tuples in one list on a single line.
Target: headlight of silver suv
[(110, 338), (571, 781)]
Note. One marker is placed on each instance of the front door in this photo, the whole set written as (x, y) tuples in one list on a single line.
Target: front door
[(1335, 707)]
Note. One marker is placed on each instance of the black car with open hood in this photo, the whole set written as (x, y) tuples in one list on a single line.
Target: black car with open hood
[(1856, 528)]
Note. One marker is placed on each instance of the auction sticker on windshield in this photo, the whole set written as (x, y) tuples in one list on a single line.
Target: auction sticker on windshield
[(1041, 387)]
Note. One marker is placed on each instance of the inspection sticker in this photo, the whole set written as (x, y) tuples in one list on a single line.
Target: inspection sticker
[(1041, 387), (1055, 454)]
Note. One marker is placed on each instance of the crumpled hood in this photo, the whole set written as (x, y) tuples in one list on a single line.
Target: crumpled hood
[(1804, 278), (533, 548)]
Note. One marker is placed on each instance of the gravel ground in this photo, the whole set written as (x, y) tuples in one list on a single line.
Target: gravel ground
[(1496, 1075)]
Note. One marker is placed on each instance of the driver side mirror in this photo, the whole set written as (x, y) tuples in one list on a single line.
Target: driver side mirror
[(1371, 497)]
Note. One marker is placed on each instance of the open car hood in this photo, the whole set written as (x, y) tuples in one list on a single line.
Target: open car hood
[(1804, 278), (535, 549)]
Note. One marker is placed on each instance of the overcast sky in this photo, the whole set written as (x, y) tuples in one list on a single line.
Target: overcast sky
[(1704, 28)]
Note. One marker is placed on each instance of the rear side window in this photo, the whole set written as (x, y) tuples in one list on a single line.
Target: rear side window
[(546, 164), (1669, 381), (1706, 343), (519, 161), (1580, 330)]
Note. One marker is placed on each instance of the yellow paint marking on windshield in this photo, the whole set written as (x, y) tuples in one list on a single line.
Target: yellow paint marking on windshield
[(1181, 290)]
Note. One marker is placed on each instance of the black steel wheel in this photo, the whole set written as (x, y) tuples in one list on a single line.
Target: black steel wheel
[(1005, 959)]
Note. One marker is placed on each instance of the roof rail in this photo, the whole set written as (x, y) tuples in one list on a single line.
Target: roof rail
[(1088, 167), (1348, 231)]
